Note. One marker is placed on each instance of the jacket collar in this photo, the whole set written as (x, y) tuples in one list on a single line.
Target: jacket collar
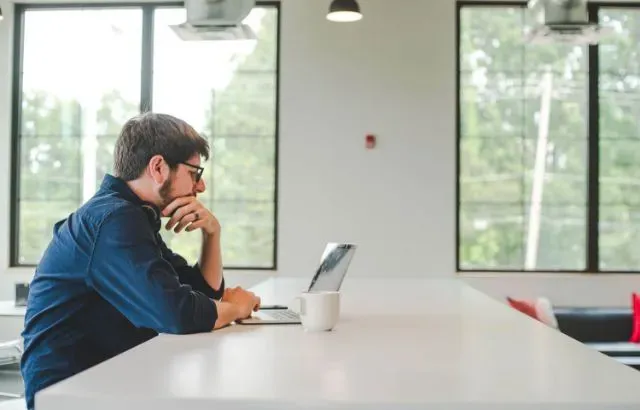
[(118, 185)]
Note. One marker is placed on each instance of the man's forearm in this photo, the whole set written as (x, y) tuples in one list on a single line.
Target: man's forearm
[(211, 260), (227, 313)]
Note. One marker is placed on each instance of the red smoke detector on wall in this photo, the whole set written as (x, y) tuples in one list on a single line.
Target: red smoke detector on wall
[(370, 141)]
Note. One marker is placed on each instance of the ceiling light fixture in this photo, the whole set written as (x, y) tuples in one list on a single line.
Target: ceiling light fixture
[(344, 11)]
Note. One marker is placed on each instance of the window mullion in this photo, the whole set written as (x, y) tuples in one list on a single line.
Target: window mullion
[(14, 214), (593, 186), (146, 80)]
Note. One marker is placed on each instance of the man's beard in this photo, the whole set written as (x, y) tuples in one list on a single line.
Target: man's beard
[(165, 190)]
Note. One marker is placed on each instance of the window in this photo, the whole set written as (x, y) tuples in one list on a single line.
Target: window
[(81, 72), (548, 145), (619, 141)]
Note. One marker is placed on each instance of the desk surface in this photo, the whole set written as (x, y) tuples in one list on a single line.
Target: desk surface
[(9, 308), (401, 344)]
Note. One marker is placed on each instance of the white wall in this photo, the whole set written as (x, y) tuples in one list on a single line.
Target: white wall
[(392, 74), (342, 81)]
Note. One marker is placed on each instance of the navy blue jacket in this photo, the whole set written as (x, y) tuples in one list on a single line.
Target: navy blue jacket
[(106, 283)]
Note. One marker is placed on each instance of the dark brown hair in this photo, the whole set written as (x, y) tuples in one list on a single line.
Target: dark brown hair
[(149, 134)]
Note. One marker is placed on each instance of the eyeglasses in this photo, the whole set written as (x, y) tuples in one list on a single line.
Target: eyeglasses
[(199, 172)]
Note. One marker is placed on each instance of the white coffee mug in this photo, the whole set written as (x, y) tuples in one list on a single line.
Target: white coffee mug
[(319, 311)]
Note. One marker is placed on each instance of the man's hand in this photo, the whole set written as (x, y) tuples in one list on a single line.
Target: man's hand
[(247, 301), (188, 210)]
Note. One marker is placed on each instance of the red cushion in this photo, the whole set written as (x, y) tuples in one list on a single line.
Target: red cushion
[(635, 302), (526, 307)]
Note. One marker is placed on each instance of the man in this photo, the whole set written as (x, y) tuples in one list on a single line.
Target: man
[(107, 282)]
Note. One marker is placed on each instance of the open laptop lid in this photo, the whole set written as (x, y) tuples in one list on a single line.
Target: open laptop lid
[(333, 267)]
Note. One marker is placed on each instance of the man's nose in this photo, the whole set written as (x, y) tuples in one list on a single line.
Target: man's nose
[(201, 186)]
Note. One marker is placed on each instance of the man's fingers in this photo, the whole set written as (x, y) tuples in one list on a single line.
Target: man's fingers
[(184, 222), (177, 203), (185, 217), (183, 212), (195, 225)]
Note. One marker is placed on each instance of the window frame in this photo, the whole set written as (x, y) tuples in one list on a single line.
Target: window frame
[(146, 101), (592, 250)]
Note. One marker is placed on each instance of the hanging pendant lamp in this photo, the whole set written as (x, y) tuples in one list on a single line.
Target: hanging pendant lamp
[(344, 11)]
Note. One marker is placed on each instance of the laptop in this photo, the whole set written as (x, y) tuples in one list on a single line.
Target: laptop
[(333, 267)]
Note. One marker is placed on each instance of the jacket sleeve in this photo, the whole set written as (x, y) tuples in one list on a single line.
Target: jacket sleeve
[(190, 275), (127, 269)]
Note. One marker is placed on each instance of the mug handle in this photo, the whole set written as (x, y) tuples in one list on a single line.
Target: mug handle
[(298, 305)]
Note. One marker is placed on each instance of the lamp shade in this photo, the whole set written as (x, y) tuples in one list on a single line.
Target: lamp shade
[(344, 11)]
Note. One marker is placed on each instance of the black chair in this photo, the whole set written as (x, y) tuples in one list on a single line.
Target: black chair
[(607, 330)]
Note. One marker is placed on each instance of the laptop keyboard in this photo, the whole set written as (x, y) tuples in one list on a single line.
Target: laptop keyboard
[(284, 314)]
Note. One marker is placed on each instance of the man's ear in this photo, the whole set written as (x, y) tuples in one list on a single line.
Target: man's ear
[(158, 169)]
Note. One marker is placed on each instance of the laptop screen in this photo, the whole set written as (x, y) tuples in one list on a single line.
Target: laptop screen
[(333, 267)]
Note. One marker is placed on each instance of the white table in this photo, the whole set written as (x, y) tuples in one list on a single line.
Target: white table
[(9, 308), (401, 344), (11, 320)]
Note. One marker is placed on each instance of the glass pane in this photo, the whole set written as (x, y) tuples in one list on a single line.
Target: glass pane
[(492, 105), (264, 22), (555, 237), (249, 240), (556, 145), (245, 168), (104, 157), (556, 105), (491, 170), (227, 92), (75, 90), (619, 106), (561, 59), (216, 69), (619, 238), (619, 84), (50, 169), (491, 237), (556, 171), (529, 237), (620, 172), (37, 218), (491, 38), (249, 107), (620, 50), (44, 113)]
